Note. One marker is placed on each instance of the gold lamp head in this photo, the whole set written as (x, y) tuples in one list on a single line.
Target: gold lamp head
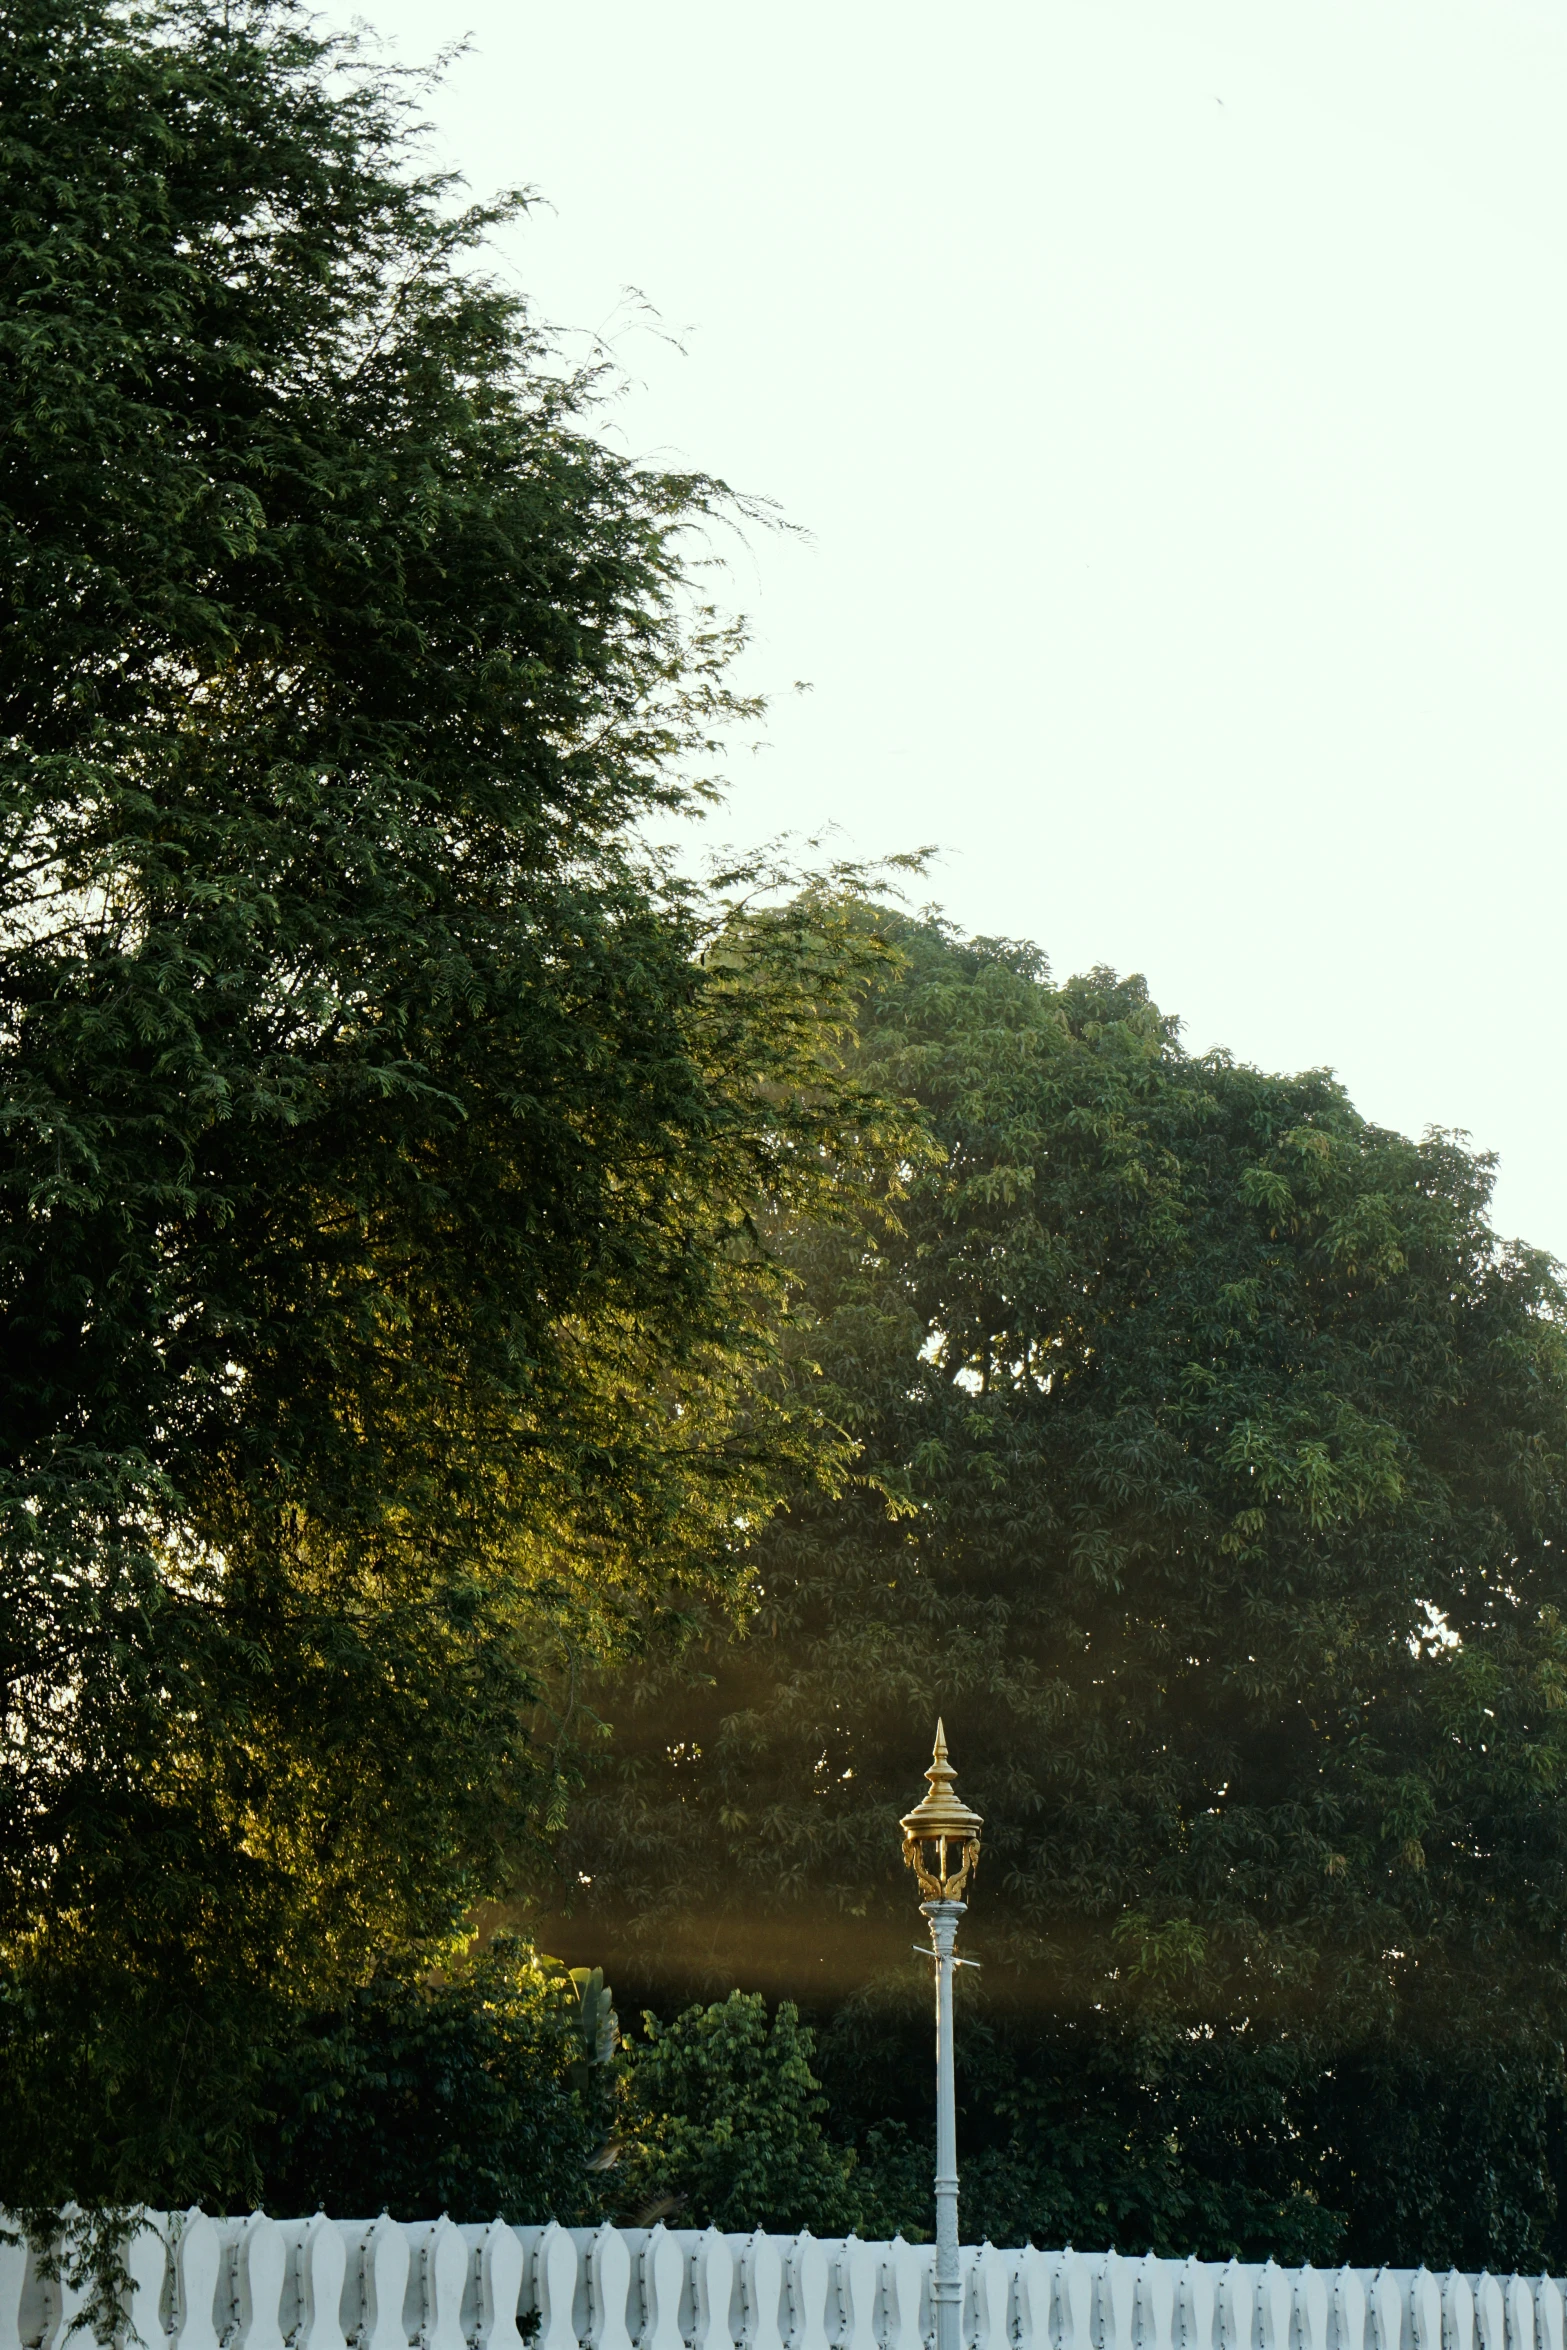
[(941, 1835)]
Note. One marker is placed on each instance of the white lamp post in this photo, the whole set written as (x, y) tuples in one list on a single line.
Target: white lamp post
[(941, 1846)]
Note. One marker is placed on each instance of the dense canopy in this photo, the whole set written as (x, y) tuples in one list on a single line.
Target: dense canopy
[(1214, 1488), (384, 1132)]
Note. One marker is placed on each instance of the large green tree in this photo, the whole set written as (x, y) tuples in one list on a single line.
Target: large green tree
[(386, 1137), (1214, 1487)]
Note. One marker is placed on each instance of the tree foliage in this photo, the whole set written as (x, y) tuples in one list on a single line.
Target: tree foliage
[(720, 2120), (496, 2086), (1212, 1486), (462, 2094), (386, 1135)]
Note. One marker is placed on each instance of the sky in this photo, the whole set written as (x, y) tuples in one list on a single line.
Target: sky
[(1170, 397)]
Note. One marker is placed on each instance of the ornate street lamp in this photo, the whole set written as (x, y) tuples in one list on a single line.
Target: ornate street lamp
[(941, 1846)]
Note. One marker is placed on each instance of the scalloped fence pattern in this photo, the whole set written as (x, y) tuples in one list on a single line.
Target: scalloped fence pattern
[(198, 2283)]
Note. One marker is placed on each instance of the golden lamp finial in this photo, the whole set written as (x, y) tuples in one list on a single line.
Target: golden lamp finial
[(941, 1834)]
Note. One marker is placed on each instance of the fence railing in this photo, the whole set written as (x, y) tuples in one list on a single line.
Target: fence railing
[(198, 2283)]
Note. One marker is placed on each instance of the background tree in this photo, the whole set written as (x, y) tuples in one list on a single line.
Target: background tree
[(1212, 1488), (720, 2125), (493, 2088), (385, 1135), (467, 2093)]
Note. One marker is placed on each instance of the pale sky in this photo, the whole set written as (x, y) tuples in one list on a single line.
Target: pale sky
[(1175, 392)]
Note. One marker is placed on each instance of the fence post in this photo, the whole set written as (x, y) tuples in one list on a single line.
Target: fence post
[(1387, 2305), (712, 2284), (760, 2292), (1274, 2296), (662, 2277), (1075, 2284), (1311, 2308), (1349, 2305), (905, 2279), (1117, 2288), (383, 2280), (1458, 2312), (609, 2289), (197, 2257), (1199, 2296), (1035, 2289), (555, 2288), (500, 2288), (1234, 2302), (806, 2273), (1519, 2304), (1154, 2304), (320, 2264)]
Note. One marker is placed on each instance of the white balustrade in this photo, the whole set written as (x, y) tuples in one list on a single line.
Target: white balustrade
[(198, 2256), (320, 2265), (989, 2299), (1155, 2303), (65, 2321), (1458, 2312), (1075, 2300), (1033, 2291), (199, 2283), (443, 2274), (662, 2278), (1116, 2298), (906, 2287), (1425, 2309), (147, 2268), (712, 2290), (806, 2279), (762, 2292), (1518, 2301), (859, 2295), (385, 2258), (1387, 2310), (1198, 2301), (555, 2289), (1311, 2309), (609, 2289), (1233, 2321), (14, 2261), (259, 2262), (1349, 2310), (500, 2288), (1275, 2298)]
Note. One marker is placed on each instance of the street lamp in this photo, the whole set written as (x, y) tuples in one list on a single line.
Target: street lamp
[(941, 1846)]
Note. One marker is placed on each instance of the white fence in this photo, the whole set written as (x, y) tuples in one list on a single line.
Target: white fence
[(319, 2284)]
